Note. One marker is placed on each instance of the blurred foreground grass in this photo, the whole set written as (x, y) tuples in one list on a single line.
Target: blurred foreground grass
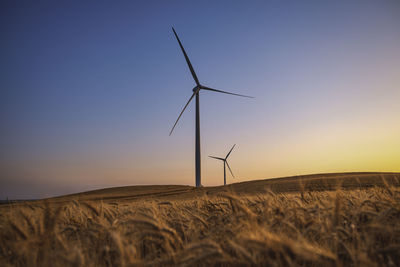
[(332, 228)]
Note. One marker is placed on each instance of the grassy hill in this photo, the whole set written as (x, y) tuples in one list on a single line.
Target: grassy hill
[(345, 219), (312, 182)]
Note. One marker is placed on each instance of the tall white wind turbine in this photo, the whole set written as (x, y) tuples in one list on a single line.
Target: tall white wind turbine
[(196, 91)]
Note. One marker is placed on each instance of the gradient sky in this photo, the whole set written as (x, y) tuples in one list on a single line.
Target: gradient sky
[(90, 91)]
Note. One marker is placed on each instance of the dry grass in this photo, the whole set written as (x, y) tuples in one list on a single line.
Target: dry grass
[(332, 228)]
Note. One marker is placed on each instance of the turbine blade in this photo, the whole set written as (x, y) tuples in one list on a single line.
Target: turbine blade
[(219, 91), (230, 151), (230, 169), (190, 99), (187, 58), (216, 158)]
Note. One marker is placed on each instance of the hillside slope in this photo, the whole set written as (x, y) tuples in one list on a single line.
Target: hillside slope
[(313, 182)]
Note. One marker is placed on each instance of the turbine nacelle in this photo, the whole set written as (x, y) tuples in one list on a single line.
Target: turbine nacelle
[(196, 88)]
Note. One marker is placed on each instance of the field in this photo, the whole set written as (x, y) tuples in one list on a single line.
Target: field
[(327, 219)]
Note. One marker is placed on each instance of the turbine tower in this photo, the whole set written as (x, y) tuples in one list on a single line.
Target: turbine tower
[(196, 91), (225, 160)]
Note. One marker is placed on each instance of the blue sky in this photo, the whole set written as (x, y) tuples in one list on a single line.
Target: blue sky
[(89, 91)]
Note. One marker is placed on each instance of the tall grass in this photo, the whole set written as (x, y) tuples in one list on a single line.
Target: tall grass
[(356, 228)]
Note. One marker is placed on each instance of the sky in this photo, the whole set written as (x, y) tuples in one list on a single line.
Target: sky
[(89, 91)]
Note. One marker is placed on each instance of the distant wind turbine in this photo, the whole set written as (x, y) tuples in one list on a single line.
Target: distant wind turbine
[(225, 160), (196, 91)]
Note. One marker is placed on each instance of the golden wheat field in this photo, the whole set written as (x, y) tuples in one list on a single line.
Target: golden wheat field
[(252, 223)]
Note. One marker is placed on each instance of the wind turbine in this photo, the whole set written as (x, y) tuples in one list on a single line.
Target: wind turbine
[(196, 91), (225, 160)]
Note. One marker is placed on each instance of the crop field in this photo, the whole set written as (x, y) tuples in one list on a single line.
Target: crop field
[(317, 220)]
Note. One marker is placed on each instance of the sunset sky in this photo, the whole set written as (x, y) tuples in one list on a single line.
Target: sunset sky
[(89, 91)]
